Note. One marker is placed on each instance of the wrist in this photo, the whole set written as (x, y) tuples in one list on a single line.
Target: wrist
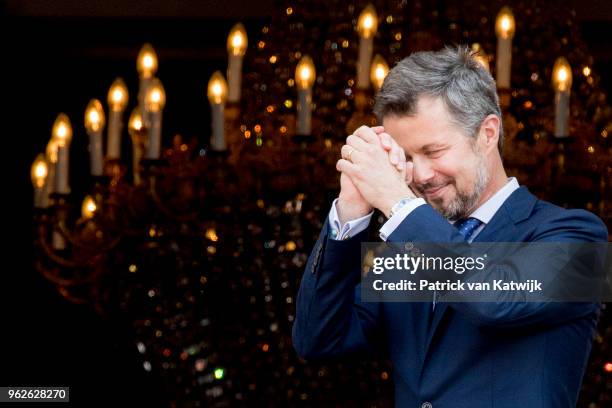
[(393, 202), (348, 210)]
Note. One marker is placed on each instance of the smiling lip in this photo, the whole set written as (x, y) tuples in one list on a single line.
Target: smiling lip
[(435, 192)]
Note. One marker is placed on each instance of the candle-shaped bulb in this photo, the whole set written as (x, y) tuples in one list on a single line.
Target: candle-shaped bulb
[(94, 123), (305, 73), (480, 56), (51, 151), (304, 79), (146, 63), (135, 122), (88, 208), (39, 171), (504, 29), (62, 130), (62, 134), (378, 71), (504, 23), (367, 24), (237, 40), (217, 88), (94, 116), (155, 98), (135, 125), (562, 75), (118, 95), (217, 96), (562, 83)]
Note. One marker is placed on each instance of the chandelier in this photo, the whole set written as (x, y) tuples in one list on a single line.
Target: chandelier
[(200, 243)]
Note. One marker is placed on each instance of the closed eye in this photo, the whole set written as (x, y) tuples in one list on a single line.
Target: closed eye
[(434, 153)]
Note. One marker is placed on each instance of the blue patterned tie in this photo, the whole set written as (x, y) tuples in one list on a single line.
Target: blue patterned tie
[(467, 226)]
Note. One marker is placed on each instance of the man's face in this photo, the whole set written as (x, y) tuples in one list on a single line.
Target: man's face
[(450, 172)]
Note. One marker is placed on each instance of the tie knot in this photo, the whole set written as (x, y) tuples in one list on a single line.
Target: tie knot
[(467, 226)]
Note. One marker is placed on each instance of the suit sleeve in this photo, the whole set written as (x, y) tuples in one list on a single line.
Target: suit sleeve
[(330, 319), (565, 226)]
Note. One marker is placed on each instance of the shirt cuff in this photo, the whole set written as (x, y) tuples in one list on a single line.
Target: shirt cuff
[(350, 228), (392, 223)]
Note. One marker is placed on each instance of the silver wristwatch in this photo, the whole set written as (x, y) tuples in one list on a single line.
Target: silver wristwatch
[(397, 206)]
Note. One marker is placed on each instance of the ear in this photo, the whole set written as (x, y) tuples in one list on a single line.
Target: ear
[(489, 133)]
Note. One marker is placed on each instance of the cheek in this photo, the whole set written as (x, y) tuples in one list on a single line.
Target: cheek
[(459, 173), (467, 175), (446, 168)]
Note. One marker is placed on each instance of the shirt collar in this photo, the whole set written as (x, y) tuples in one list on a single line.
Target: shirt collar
[(488, 209)]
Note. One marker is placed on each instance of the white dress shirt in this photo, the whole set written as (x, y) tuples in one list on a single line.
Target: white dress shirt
[(483, 213)]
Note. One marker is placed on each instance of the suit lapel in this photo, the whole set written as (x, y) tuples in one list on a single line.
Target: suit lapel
[(501, 228)]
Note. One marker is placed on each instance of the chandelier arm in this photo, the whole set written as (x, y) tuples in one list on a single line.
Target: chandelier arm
[(59, 281), (66, 233), (71, 298), (69, 236), (50, 253)]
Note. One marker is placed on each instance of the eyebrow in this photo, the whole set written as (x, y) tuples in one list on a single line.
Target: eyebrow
[(428, 147), (432, 146)]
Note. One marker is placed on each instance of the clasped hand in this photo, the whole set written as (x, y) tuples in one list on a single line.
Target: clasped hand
[(374, 173)]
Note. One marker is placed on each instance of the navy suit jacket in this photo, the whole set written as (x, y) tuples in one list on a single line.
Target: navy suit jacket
[(460, 354)]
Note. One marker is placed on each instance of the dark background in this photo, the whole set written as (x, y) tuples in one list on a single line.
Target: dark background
[(56, 55)]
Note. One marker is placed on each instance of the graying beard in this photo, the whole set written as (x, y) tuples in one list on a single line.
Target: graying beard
[(463, 203)]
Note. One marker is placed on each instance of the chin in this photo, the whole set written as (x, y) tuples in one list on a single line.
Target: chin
[(447, 207), (439, 204)]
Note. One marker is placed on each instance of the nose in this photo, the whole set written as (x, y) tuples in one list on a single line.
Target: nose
[(422, 171)]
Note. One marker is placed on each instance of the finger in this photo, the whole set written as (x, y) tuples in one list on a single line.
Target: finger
[(346, 167), (386, 141), (402, 153), (357, 142), (378, 129), (394, 155), (367, 134), (402, 159), (345, 150), (409, 170), (349, 153), (401, 166), (398, 157)]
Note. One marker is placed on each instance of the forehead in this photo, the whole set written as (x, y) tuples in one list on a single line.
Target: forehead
[(431, 123)]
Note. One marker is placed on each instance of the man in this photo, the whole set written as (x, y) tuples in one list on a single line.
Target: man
[(441, 109)]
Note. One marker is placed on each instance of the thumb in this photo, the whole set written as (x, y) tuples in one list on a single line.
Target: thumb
[(386, 142), (408, 172)]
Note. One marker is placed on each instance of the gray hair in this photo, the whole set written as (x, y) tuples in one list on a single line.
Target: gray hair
[(467, 89)]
